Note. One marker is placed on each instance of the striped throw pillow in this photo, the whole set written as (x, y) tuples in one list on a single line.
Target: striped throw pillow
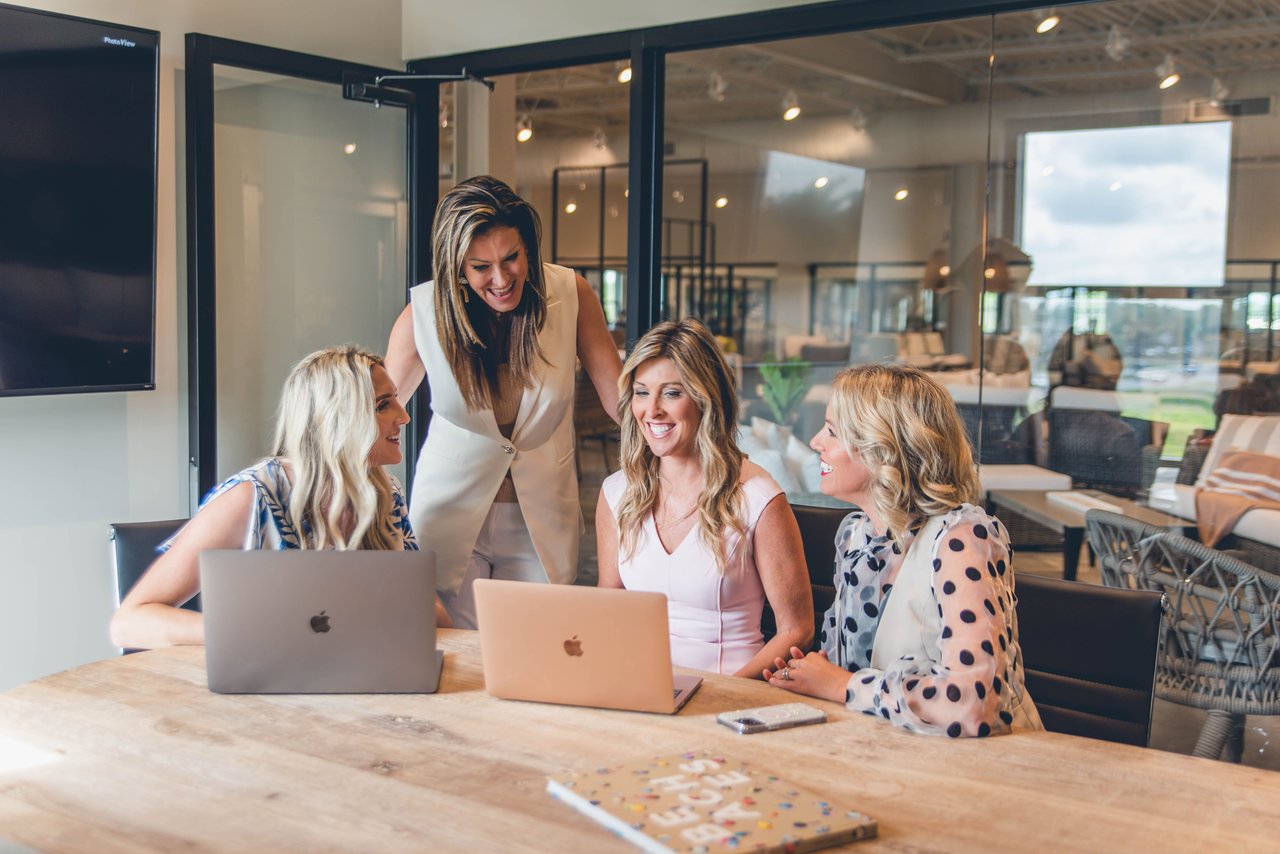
[(1257, 433)]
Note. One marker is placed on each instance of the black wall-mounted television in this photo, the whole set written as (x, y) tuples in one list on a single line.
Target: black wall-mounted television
[(78, 102)]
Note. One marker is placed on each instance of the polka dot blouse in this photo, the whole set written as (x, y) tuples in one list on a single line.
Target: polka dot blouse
[(976, 685)]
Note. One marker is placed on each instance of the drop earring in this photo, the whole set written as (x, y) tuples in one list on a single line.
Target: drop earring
[(466, 290)]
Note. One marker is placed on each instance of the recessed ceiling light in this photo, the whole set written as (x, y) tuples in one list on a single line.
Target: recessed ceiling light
[(624, 73), (902, 194), (944, 270), (349, 148), (1115, 185), (820, 182), (722, 201), (1047, 171), (571, 207)]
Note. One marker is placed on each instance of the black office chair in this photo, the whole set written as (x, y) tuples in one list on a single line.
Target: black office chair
[(133, 548), (1089, 656), (818, 526)]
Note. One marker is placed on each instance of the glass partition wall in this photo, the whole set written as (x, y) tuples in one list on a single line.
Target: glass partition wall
[(1069, 226), (840, 184)]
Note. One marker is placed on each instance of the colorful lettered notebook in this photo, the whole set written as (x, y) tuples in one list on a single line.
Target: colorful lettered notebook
[(705, 802)]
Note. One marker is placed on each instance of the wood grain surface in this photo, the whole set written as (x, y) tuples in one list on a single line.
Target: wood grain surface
[(135, 754)]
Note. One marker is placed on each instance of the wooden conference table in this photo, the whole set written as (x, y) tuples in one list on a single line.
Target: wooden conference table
[(135, 754)]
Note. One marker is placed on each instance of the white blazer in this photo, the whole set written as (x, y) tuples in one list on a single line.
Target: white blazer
[(464, 458)]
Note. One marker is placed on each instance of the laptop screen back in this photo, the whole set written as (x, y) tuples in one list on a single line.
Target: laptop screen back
[(320, 622), (582, 646)]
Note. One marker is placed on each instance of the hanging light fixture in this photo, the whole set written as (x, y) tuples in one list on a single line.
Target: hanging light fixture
[(1117, 43), (1167, 71), (624, 72), (524, 128), (858, 118), (1218, 92), (1048, 20), (716, 86), (790, 106)]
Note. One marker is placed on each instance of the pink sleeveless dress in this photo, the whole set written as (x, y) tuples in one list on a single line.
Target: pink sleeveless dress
[(714, 618)]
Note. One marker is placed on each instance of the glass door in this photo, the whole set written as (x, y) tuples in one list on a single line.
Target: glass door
[(299, 234)]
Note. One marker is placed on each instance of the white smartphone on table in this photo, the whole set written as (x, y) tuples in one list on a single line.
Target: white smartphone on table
[(769, 718)]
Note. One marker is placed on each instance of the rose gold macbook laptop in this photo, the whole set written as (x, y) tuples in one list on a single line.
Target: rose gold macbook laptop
[(320, 622), (580, 646)]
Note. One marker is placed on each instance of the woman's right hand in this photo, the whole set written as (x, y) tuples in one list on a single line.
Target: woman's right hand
[(812, 674)]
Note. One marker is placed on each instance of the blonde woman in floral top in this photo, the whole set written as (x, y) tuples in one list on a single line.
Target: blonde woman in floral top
[(325, 486), (923, 631)]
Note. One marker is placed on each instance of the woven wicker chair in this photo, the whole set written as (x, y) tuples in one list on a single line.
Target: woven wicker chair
[(1220, 649)]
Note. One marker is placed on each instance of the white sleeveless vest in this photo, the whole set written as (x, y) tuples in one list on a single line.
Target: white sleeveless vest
[(464, 458)]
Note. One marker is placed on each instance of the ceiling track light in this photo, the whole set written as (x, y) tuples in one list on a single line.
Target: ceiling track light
[(524, 128), (790, 106), (1048, 20), (1167, 71)]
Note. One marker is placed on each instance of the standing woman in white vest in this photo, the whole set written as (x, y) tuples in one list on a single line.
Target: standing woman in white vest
[(496, 334)]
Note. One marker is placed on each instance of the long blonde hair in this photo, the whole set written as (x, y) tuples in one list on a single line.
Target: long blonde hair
[(707, 379), (908, 433), (326, 427), (466, 212)]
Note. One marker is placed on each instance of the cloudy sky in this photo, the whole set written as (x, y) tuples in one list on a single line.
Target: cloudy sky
[(1142, 206)]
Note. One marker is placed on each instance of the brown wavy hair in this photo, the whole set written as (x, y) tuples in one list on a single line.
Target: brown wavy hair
[(707, 379), (909, 434), (466, 212)]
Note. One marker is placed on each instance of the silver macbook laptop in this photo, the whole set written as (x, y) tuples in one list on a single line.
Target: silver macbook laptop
[(320, 622), (580, 646)]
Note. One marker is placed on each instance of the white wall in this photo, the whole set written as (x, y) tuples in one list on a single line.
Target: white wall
[(441, 27), (71, 464)]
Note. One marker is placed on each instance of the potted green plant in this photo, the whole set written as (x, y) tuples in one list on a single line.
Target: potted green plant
[(784, 385)]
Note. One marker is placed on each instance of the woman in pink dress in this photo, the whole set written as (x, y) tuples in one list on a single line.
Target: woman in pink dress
[(688, 516)]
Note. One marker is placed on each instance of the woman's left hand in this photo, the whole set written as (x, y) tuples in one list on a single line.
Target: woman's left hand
[(810, 674)]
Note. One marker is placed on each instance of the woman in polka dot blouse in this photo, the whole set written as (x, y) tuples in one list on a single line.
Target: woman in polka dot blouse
[(924, 615)]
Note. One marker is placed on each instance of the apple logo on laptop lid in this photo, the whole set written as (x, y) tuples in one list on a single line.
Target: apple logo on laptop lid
[(320, 623), (573, 646)]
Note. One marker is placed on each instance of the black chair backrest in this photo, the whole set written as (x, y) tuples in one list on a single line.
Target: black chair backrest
[(133, 548), (818, 526), (1089, 655), (1006, 436), (1098, 449)]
